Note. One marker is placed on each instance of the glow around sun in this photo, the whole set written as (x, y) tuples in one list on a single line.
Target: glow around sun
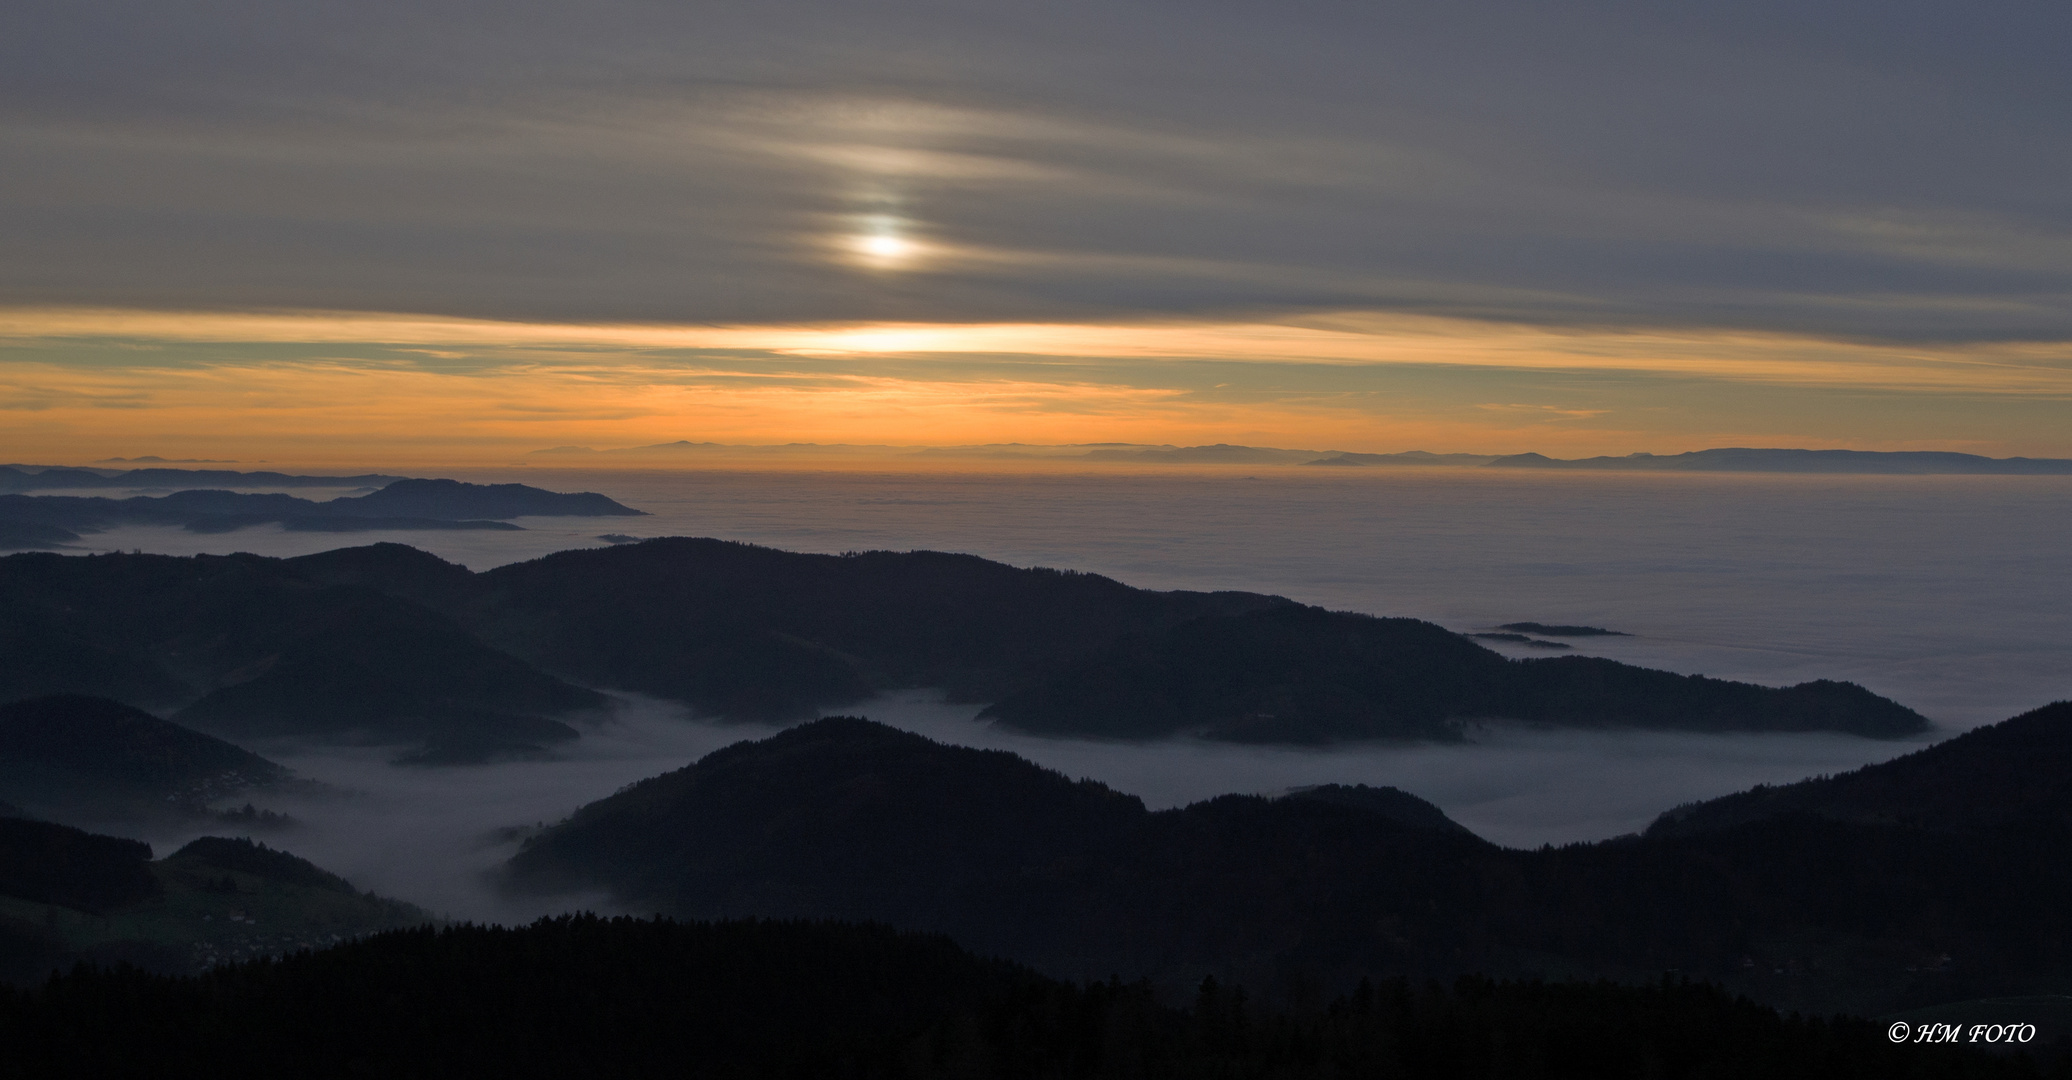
[(880, 242)]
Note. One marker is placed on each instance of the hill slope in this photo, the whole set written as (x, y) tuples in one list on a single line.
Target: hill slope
[(755, 633), (848, 819), (2011, 773), (84, 758), (242, 645), (67, 896), (1301, 674), (389, 641)]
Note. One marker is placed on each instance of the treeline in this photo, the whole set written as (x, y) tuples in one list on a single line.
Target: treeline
[(585, 996)]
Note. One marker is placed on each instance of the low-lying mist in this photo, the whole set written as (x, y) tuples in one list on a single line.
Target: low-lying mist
[(1516, 785), (434, 836)]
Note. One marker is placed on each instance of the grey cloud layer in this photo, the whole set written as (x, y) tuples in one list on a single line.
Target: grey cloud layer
[(1888, 170)]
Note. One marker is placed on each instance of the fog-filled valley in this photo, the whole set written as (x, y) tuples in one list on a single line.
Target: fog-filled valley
[(1068, 541), (434, 835), (1946, 593), (1559, 662)]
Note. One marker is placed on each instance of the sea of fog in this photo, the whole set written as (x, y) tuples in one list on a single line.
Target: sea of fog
[(1952, 595)]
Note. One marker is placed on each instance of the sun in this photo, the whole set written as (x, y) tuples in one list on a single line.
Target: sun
[(880, 240), (885, 248)]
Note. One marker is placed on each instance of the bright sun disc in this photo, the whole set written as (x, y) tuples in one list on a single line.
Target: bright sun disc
[(888, 248)]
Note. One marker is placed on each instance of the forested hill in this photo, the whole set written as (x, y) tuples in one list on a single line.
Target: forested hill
[(85, 758), (242, 645), (791, 1001), (390, 640), (753, 632), (68, 896), (57, 865), (847, 819), (2011, 773)]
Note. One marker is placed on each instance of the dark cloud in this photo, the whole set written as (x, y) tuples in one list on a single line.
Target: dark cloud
[(1890, 170)]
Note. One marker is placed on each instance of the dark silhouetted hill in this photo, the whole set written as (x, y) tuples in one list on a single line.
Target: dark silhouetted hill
[(46, 863), (394, 569), (838, 818), (352, 640), (848, 819), (757, 633), (403, 504), (68, 897), (72, 756), (1288, 673), (751, 632), (456, 499), (247, 646), (1302, 674), (1588, 691), (393, 671), (33, 536), (1562, 630), (49, 652), (216, 853), (2012, 774), (29, 478), (1520, 639), (1394, 804)]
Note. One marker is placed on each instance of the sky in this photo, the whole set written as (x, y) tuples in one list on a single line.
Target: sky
[(463, 231)]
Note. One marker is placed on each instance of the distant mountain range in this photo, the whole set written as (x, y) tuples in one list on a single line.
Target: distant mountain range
[(31, 522), (24, 478), (1731, 459), (1862, 894), (19, 477), (1736, 459)]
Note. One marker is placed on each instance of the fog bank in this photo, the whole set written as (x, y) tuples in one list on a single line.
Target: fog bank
[(433, 836), (1515, 785)]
